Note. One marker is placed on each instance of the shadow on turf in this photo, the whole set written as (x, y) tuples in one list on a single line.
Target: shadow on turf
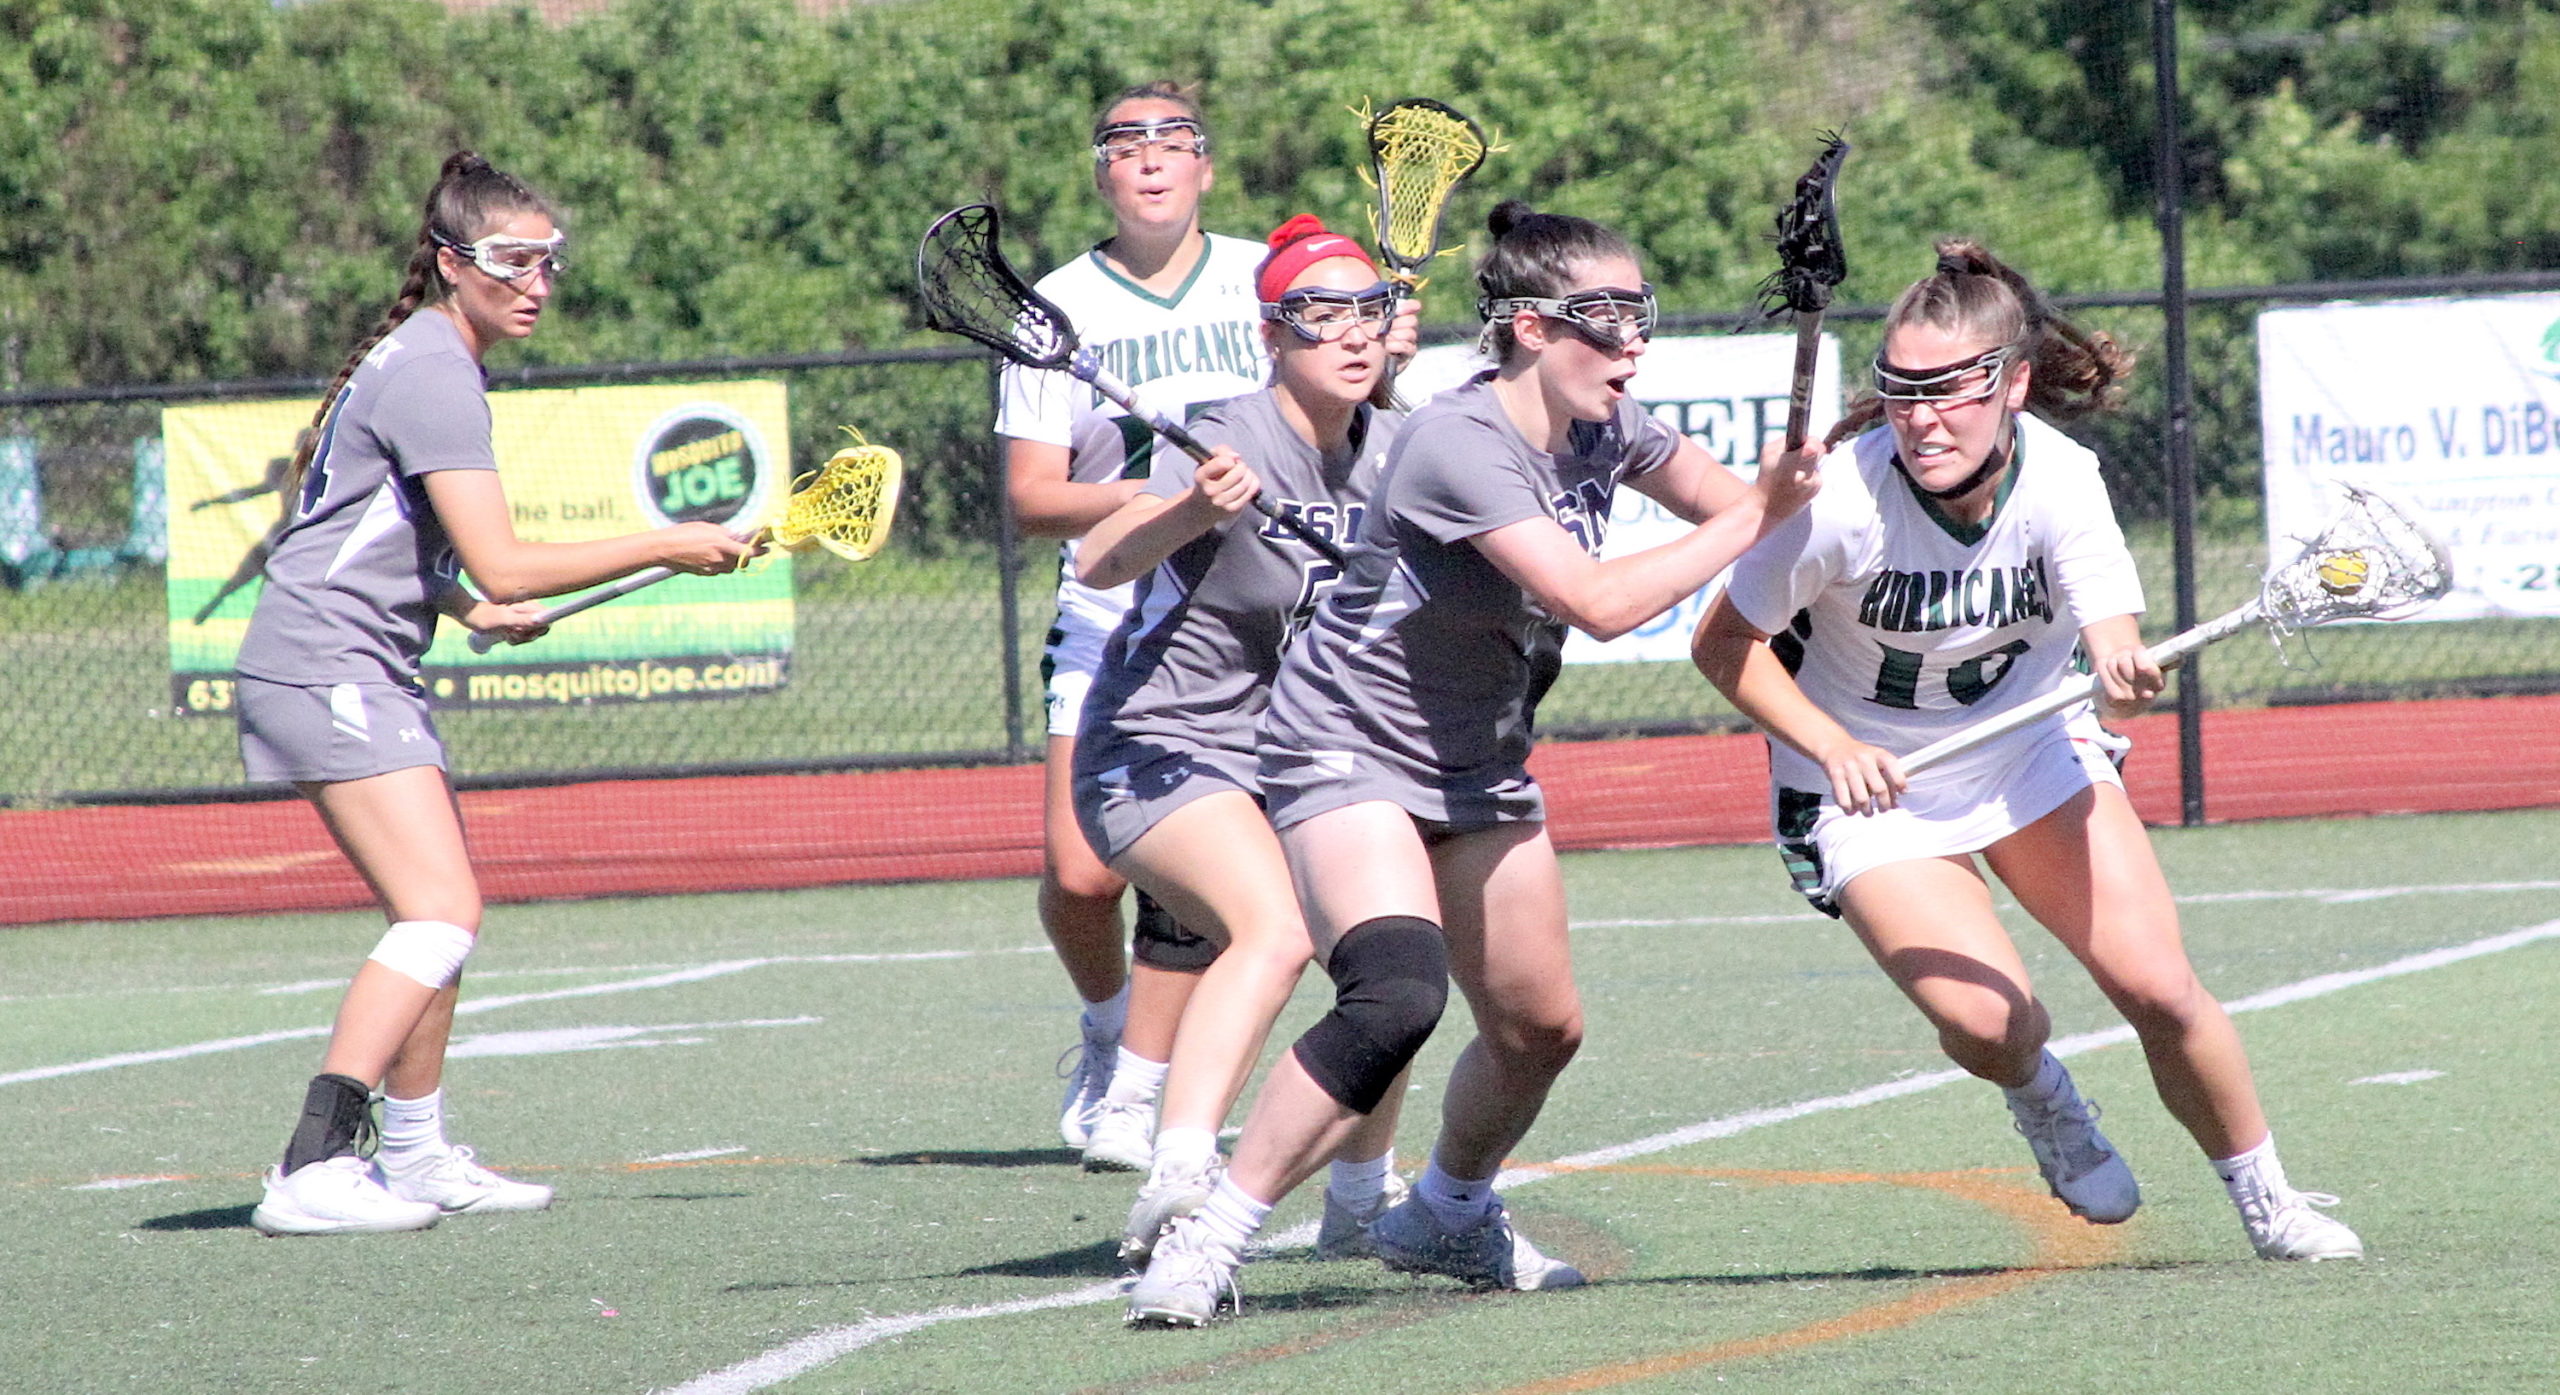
[(1100, 1260), (211, 1218), (1005, 1157)]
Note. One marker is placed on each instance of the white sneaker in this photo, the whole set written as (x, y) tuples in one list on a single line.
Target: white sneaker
[(336, 1196), (1161, 1203), (2282, 1224), (1190, 1282), (2083, 1170), (453, 1182), (1408, 1238), (1086, 1067), (1123, 1137), (1344, 1233)]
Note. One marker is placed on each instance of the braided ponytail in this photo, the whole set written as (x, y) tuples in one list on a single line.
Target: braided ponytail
[(469, 197)]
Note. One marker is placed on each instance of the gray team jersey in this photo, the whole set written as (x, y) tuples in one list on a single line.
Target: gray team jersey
[(1191, 665), (351, 586), (1418, 679)]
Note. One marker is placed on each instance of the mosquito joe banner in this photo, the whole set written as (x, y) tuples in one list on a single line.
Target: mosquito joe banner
[(2450, 406), (577, 463), (1727, 392)]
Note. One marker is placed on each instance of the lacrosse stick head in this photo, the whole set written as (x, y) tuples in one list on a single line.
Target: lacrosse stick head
[(845, 505), (1419, 150), (1811, 261), (969, 289), (2373, 561)]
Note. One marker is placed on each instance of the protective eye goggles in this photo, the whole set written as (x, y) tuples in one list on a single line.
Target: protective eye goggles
[(1608, 316), (1127, 140), (1321, 316), (1976, 379), (513, 258)]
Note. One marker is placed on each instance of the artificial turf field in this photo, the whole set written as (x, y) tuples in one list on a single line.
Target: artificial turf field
[(805, 1142)]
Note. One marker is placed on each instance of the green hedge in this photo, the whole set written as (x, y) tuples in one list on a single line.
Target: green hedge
[(212, 189)]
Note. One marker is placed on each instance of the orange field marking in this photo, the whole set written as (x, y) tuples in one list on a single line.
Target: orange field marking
[(2062, 1243)]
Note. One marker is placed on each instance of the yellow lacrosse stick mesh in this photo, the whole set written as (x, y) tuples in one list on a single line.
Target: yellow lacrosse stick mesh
[(845, 505), (1418, 151)]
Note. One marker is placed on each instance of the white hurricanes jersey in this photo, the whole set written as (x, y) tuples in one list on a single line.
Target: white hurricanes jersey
[(1200, 344), (1905, 625)]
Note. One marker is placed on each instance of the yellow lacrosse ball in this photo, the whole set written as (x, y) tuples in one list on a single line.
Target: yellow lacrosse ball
[(2342, 573)]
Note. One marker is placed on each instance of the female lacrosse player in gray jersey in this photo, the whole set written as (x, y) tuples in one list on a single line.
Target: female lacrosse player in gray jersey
[(1393, 756), (1960, 563), (1166, 784), (394, 492)]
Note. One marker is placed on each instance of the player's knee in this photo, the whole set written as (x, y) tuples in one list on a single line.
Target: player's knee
[(1546, 1044), (428, 951), (1391, 983)]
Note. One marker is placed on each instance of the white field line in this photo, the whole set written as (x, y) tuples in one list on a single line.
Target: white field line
[(679, 975), (668, 979), (833, 1343)]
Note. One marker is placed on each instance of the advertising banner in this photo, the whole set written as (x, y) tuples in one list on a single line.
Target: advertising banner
[(2450, 406), (1727, 392), (577, 463)]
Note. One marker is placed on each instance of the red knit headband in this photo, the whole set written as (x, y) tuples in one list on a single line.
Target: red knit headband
[(1298, 244)]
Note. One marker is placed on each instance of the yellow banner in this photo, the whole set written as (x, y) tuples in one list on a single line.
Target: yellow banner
[(577, 463)]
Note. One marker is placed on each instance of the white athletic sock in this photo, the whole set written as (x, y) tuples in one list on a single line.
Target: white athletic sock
[(1105, 1019), (1183, 1153), (1358, 1185), (1456, 1203), (1231, 1217), (1135, 1079), (413, 1126), (2256, 1170), (2051, 1082)]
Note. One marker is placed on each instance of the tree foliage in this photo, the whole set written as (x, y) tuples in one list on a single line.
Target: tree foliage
[(208, 189)]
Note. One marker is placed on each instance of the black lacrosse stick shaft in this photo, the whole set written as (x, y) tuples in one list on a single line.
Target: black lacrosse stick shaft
[(969, 289)]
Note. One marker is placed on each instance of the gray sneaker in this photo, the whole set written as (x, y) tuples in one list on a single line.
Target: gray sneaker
[(1408, 1238), (1190, 1282), (1344, 1234), (1086, 1067), (1159, 1205), (2083, 1170)]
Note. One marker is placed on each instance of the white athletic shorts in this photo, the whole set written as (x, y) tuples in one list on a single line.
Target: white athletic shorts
[(1068, 662), (1962, 807), (332, 731)]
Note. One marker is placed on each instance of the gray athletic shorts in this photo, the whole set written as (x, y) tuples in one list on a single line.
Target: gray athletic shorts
[(1299, 785), (332, 731), (1117, 805)]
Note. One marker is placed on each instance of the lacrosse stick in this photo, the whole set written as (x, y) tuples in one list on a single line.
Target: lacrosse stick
[(2372, 562), (1419, 151), (844, 506), (969, 289), (1810, 263)]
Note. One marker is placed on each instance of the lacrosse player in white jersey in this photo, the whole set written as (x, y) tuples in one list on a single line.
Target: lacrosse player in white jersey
[(1962, 561)]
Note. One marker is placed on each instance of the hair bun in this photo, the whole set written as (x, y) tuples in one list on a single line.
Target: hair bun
[(1508, 214), (1299, 228)]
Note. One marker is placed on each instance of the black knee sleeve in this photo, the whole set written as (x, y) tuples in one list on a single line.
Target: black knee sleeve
[(337, 1111), (1391, 983), (1159, 941)]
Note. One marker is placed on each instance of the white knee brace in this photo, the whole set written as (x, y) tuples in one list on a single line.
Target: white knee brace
[(430, 951)]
